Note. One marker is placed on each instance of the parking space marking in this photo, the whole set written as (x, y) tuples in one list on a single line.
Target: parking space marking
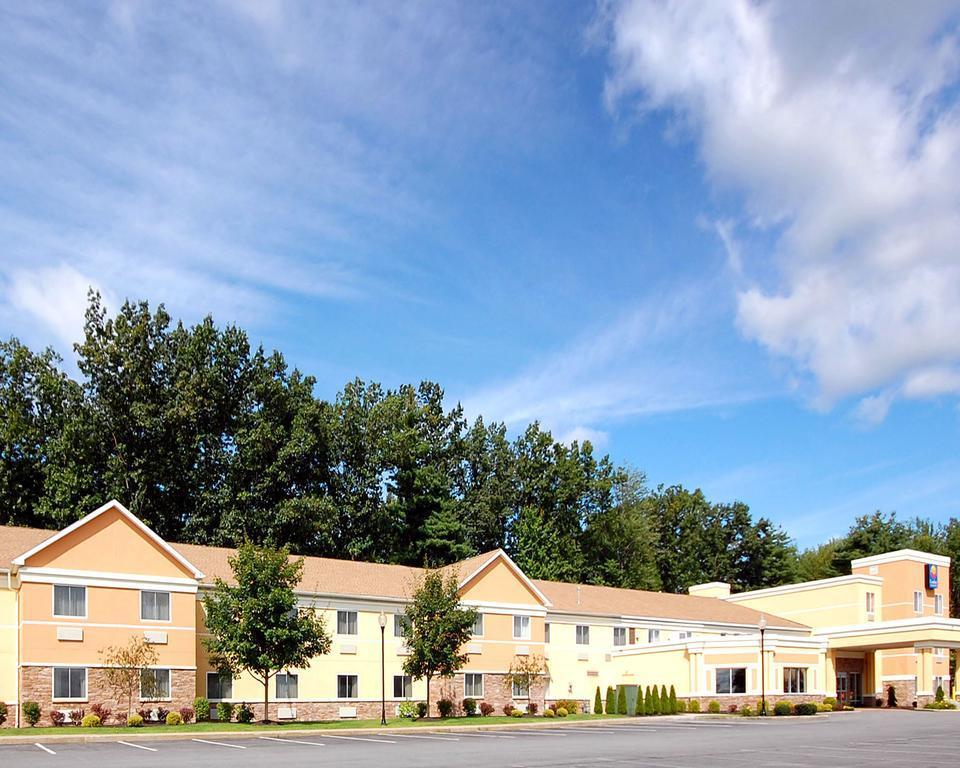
[(291, 741), (538, 733), (359, 738), (45, 749), (419, 736), (218, 743), (136, 746), (486, 735)]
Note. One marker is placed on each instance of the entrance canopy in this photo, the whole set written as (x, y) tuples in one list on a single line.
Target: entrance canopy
[(921, 632)]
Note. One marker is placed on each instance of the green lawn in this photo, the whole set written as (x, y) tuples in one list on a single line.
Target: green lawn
[(329, 725)]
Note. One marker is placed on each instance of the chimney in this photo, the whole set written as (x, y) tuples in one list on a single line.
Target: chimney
[(711, 589)]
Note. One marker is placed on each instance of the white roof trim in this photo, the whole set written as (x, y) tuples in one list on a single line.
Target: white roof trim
[(894, 625), (500, 554), (803, 586), (112, 504), (913, 555)]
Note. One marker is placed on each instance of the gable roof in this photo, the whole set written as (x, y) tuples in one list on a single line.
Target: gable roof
[(113, 504), (474, 566)]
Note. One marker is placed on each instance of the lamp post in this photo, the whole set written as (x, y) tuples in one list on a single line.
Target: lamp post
[(763, 668), (383, 671)]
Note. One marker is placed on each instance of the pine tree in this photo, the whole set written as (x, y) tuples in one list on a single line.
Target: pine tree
[(621, 700), (664, 701), (611, 703), (656, 701), (648, 702), (639, 710), (597, 703), (673, 700)]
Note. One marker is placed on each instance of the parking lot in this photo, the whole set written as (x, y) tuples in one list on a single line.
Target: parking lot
[(865, 738)]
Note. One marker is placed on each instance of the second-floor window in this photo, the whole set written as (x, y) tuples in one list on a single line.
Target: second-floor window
[(478, 626), (521, 627), (619, 635), (155, 606), (583, 634), (399, 622), (546, 632), (918, 602), (69, 601), (938, 605), (871, 602), (653, 635), (346, 622)]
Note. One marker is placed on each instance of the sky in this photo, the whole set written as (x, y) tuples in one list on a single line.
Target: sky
[(719, 240)]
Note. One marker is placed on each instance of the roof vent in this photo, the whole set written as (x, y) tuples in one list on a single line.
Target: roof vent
[(711, 589)]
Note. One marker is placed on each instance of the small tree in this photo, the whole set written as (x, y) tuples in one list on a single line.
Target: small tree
[(123, 667), (638, 709), (597, 703), (526, 672), (621, 700), (611, 702), (940, 694), (648, 701), (656, 701), (664, 701), (673, 700), (256, 626), (436, 628)]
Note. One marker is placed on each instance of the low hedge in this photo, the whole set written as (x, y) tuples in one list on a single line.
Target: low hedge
[(782, 708), (806, 708)]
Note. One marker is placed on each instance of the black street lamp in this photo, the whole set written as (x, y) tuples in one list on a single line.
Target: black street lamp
[(763, 669), (383, 671)]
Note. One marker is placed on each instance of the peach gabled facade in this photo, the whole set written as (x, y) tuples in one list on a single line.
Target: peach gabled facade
[(67, 596)]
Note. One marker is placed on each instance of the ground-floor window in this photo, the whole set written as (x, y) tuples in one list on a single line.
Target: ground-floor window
[(732, 680), (473, 684), (219, 686), (70, 683), (288, 686), (347, 687), (402, 687), (154, 684), (794, 680), (520, 691)]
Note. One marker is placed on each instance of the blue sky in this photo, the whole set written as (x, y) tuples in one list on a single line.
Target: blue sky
[(718, 239)]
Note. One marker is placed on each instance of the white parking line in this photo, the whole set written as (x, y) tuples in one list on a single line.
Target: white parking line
[(45, 749), (486, 735), (537, 733), (136, 746), (290, 741), (419, 736), (358, 738), (218, 743)]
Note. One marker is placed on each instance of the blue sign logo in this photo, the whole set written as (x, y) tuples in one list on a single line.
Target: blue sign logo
[(933, 578)]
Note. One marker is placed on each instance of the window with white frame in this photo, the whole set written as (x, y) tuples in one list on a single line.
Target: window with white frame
[(288, 685), (347, 687), (155, 606), (731, 680), (546, 632), (69, 601), (478, 626), (521, 627), (871, 602), (399, 622), (219, 687), (346, 622), (918, 602), (938, 682), (619, 635), (520, 691), (583, 634), (70, 683), (473, 684), (402, 687), (794, 680), (685, 635), (154, 684), (938, 605), (653, 635)]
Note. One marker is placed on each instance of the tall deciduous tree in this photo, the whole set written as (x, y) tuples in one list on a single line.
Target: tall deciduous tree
[(255, 624), (436, 628)]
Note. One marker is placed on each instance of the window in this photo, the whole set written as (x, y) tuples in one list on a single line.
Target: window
[(918, 602), (347, 687), (478, 625), (871, 602), (685, 635), (619, 635), (154, 684), (520, 691), (732, 680), (521, 627), (399, 622), (219, 686), (69, 601), (346, 622), (653, 635), (69, 682), (938, 605), (473, 684), (546, 632), (288, 686), (155, 606), (402, 687), (794, 680), (583, 634)]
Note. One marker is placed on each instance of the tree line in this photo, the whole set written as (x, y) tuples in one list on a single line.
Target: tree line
[(211, 440)]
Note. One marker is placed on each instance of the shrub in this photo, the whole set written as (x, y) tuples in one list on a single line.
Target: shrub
[(648, 702), (173, 718), (31, 712), (508, 709), (186, 714), (713, 707), (805, 708), (681, 706), (135, 721), (91, 721), (517, 713), (621, 700), (891, 696), (3, 712), (57, 717), (532, 707), (940, 705), (101, 711), (244, 713), (486, 709), (746, 711), (824, 708), (664, 701), (469, 707), (421, 710), (782, 708), (597, 703), (673, 700), (445, 707), (693, 706), (549, 713), (732, 709), (225, 711), (638, 708), (939, 696), (162, 714), (120, 718), (408, 709), (562, 712), (571, 705), (201, 708), (146, 714), (655, 705), (610, 707)]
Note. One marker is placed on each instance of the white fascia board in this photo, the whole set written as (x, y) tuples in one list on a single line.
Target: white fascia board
[(99, 579), (886, 627), (914, 555), (804, 586)]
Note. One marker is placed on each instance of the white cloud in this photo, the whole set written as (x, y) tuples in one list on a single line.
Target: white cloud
[(838, 126)]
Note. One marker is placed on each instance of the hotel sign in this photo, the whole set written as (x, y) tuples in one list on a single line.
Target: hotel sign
[(933, 578)]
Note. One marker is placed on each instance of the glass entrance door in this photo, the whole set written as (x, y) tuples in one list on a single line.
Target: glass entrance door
[(842, 694), (856, 688)]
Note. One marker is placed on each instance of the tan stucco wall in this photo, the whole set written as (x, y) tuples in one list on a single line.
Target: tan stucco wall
[(8, 647)]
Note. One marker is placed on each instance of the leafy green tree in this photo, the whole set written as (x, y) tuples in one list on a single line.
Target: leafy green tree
[(621, 700), (818, 562), (255, 624), (597, 703), (436, 627), (871, 535)]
